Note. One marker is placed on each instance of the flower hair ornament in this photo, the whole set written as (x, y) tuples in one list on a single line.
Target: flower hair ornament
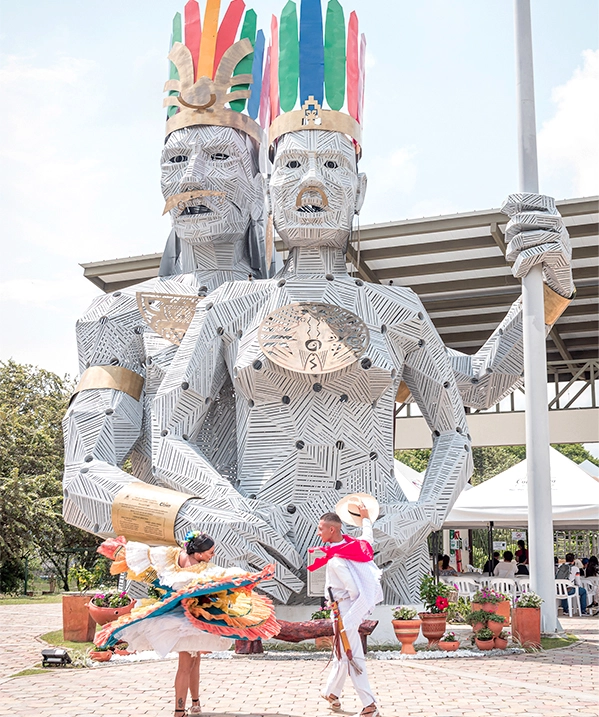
[(197, 542)]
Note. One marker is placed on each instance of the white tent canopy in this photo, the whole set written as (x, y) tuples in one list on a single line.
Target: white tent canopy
[(504, 499), (410, 481)]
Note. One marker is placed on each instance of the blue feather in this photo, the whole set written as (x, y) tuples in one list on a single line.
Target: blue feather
[(254, 101), (311, 51)]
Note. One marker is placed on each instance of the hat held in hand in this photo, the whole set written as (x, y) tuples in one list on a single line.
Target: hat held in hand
[(348, 508)]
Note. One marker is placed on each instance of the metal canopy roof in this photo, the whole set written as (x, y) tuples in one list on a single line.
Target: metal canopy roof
[(456, 265)]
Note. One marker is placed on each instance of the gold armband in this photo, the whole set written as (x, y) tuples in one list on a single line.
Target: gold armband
[(147, 513), (116, 377), (555, 305)]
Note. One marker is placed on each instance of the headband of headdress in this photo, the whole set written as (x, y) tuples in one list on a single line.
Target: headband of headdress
[(315, 79), (213, 76)]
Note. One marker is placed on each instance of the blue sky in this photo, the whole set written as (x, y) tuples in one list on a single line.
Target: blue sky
[(82, 129)]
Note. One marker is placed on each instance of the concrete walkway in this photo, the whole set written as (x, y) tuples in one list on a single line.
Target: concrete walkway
[(559, 683)]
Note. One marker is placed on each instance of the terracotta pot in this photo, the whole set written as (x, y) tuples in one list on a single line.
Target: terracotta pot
[(484, 644), (433, 626), (323, 643), (77, 624), (449, 646), (118, 651), (102, 615), (504, 608), (102, 656), (500, 643), (526, 626), (495, 627), (407, 631), (486, 606), (478, 626)]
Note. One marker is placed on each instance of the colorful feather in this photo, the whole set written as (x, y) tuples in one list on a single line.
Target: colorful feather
[(227, 31), (311, 51), (254, 101), (334, 55), (353, 71), (288, 57), (173, 74), (208, 46), (248, 30), (193, 32), (361, 78), (265, 96), (274, 69)]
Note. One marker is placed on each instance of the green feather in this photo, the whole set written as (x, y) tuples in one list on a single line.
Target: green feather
[(173, 74), (288, 57), (334, 55), (250, 22)]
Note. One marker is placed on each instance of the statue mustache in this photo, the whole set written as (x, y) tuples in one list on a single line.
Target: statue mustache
[(180, 201)]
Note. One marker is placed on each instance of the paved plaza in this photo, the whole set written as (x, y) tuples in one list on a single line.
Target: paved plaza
[(559, 683)]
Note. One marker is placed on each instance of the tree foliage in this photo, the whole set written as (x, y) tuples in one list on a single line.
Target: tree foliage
[(32, 404)]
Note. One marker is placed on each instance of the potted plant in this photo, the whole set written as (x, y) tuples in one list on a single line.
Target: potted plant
[(121, 648), (406, 627), (478, 619), (526, 620), (495, 623), (77, 623), (500, 640), (326, 642), (484, 639), (106, 607), (449, 642), (486, 599), (101, 654), (434, 596)]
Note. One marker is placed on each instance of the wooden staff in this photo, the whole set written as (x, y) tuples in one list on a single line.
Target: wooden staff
[(340, 632)]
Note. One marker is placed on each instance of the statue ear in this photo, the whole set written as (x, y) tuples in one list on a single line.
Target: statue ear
[(267, 197), (261, 197), (361, 191)]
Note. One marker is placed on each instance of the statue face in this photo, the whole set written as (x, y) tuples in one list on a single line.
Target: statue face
[(217, 165), (315, 188)]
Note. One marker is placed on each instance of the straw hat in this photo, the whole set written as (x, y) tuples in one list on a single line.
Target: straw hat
[(347, 508)]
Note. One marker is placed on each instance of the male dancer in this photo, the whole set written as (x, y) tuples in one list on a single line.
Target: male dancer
[(354, 581)]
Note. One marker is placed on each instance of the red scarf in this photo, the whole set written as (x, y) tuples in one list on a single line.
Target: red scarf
[(352, 549)]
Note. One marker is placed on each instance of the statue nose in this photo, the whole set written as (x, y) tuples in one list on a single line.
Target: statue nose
[(195, 174)]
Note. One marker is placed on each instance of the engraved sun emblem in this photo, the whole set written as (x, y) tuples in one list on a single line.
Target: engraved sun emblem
[(313, 338)]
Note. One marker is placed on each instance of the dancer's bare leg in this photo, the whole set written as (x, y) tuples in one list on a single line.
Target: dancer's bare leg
[(194, 685), (182, 679)]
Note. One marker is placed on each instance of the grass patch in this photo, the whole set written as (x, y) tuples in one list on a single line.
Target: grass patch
[(56, 639), (550, 643), (30, 671), (36, 600)]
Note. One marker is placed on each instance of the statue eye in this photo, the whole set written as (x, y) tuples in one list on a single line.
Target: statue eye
[(293, 164), (178, 159), (219, 157), (329, 164)]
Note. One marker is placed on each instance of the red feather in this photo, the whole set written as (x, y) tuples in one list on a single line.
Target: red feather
[(228, 30), (353, 72)]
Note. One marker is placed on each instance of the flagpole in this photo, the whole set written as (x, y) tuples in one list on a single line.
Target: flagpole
[(540, 523)]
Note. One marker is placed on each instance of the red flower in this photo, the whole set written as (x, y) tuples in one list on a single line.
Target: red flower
[(441, 603)]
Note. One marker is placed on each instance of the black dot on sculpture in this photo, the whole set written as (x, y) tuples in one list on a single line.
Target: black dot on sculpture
[(239, 333), (117, 293), (489, 370), (282, 282), (164, 433), (366, 363), (468, 436), (500, 332), (420, 315), (446, 384), (421, 343), (373, 455), (340, 445), (252, 496), (359, 282), (343, 398), (251, 404), (436, 433), (338, 485), (109, 411), (114, 361), (88, 458), (299, 445), (458, 429), (209, 306), (96, 528), (291, 508), (474, 380), (84, 470), (257, 364), (185, 385), (317, 387), (220, 331), (383, 329), (286, 400), (466, 447), (386, 565), (185, 437), (329, 277), (203, 288), (149, 361)]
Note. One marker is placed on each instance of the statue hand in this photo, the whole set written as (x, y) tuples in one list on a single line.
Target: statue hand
[(536, 235)]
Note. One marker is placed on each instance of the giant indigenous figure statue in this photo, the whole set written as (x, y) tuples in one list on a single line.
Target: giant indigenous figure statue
[(214, 193)]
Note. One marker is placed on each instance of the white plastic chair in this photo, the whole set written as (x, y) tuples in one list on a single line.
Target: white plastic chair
[(522, 586), (466, 588), (561, 593), (507, 586), (591, 585)]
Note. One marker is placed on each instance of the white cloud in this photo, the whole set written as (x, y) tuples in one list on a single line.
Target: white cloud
[(569, 141)]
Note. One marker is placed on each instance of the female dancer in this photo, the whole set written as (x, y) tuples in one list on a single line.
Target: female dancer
[(202, 606)]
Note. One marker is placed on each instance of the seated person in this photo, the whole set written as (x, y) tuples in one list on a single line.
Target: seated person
[(522, 554), (445, 568), (571, 572), (491, 564), (592, 567), (507, 568)]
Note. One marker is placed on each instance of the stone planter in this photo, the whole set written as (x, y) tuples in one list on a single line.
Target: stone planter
[(526, 626), (433, 626), (500, 643), (102, 656), (103, 615), (407, 631), (77, 624), (449, 646), (486, 606), (484, 644), (504, 608)]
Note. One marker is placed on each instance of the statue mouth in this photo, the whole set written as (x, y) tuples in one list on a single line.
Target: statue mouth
[(196, 209), (311, 200), (310, 209)]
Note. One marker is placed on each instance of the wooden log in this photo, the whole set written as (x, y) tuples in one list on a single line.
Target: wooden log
[(311, 629)]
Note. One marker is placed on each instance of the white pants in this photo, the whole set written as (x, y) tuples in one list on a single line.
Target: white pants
[(341, 668)]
